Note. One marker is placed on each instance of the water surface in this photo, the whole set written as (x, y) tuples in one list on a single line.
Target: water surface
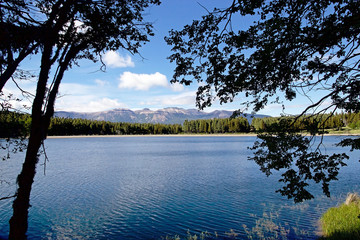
[(153, 187)]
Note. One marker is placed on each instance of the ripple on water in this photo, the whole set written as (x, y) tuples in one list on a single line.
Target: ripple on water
[(146, 188)]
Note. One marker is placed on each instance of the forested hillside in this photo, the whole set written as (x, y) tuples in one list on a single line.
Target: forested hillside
[(15, 124)]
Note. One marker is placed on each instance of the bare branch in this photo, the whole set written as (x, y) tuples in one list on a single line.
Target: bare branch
[(8, 197)]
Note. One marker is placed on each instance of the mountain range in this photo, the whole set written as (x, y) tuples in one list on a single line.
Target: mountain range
[(170, 115)]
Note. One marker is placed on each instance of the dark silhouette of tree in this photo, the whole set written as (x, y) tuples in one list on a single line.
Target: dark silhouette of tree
[(15, 18), (13, 131), (19, 38), (69, 30), (292, 47)]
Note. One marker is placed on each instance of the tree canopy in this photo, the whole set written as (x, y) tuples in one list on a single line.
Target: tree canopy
[(292, 48), (62, 32), (15, 18)]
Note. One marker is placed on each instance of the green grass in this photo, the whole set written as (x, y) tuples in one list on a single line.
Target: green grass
[(342, 222), (344, 130)]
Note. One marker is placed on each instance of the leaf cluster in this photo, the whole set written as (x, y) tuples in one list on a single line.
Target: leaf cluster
[(291, 154), (293, 47), (78, 29)]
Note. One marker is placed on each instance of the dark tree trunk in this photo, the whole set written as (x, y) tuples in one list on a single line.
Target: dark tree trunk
[(42, 111), (39, 127), (19, 220), (21, 204)]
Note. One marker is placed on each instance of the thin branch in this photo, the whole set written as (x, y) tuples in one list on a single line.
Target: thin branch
[(23, 92), (46, 159), (315, 105), (8, 197), (203, 7), (103, 65)]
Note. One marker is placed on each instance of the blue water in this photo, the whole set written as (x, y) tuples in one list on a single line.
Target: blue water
[(153, 187)]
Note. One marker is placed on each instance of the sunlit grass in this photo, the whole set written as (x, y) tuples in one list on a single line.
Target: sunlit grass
[(344, 130), (342, 222)]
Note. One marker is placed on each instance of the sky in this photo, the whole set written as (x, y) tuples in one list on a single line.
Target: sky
[(137, 82)]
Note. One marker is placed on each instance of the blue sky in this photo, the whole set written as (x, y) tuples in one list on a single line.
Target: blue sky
[(138, 82)]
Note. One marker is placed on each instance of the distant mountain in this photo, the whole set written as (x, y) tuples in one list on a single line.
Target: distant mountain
[(167, 115)]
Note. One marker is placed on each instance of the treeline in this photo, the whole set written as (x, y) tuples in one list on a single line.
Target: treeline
[(217, 125), (67, 126), (14, 124), (325, 121)]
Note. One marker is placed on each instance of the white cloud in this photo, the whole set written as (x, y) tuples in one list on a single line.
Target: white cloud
[(142, 81), (105, 103), (101, 83), (25, 100), (114, 60), (88, 103), (75, 89), (87, 98), (177, 87), (187, 98)]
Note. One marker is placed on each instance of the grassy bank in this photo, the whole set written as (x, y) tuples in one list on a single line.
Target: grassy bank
[(342, 222), (344, 131)]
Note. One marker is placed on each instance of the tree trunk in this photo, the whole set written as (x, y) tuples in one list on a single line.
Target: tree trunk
[(19, 220), (21, 204), (39, 126)]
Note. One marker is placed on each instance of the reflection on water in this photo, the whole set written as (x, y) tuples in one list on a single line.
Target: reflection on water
[(149, 187)]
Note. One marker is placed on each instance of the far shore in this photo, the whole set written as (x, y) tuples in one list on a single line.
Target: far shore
[(185, 135), (159, 135)]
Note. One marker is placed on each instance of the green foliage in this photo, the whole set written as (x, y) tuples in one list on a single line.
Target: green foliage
[(309, 123), (342, 222), (225, 125), (66, 126), (306, 123), (13, 124), (16, 124)]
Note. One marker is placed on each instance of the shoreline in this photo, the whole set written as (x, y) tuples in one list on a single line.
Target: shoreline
[(181, 135), (156, 135)]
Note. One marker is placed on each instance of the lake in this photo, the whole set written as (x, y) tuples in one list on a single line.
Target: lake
[(153, 187)]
